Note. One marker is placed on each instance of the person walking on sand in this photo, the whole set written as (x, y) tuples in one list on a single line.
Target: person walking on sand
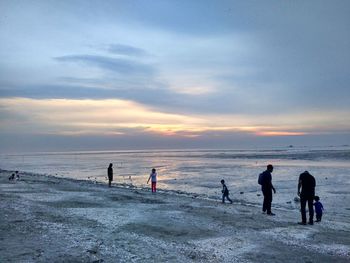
[(153, 178), (110, 174), (307, 184), (265, 179), (225, 192)]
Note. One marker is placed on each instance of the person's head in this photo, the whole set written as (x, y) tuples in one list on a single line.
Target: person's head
[(153, 170), (270, 168), (222, 181), (16, 172), (317, 198), (111, 164)]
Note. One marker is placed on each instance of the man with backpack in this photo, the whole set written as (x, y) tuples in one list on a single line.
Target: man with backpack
[(265, 180)]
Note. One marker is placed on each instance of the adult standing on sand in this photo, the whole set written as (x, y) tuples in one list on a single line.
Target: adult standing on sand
[(267, 188), (110, 174), (153, 178), (307, 184)]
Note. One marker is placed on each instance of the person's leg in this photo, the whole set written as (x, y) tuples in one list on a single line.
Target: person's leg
[(269, 201), (228, 198), (302, 209), (311, 209), (223, 198), (264, 202), (318, 217), (109, 183), (153, 187)]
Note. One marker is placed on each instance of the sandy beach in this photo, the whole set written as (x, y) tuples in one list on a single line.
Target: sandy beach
[(49, 219)]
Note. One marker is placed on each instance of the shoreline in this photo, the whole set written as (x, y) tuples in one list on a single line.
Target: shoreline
[(47, 218)]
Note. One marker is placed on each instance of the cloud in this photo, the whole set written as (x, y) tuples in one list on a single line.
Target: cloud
[(275, 67), (115, 65), (120, 49), (115, 116), (71, 124)]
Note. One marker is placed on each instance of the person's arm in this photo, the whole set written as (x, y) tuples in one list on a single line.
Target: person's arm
[(149, 178), (299, 186), (273, 188)]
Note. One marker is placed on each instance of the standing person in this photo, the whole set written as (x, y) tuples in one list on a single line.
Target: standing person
[(265, 179), (110, 174), (153, 178), (307, 185), (225, 192), (318, 209), (17, 175)]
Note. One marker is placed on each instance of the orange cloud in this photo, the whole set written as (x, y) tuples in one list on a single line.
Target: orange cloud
[(279, 133)]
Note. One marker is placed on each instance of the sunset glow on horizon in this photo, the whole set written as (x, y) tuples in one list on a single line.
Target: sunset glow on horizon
[(116, 116)]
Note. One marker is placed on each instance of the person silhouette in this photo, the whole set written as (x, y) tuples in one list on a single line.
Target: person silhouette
[(110, 174), (318, 208), (267, 188), (225, 192), (307, 184)]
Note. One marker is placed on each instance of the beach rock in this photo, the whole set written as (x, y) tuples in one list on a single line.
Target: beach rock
[(92, 251), (241, 193), (296, 199)]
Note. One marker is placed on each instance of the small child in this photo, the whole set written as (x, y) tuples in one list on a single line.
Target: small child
[(12, 177), (318, 208), (225, 192), (153, 178)]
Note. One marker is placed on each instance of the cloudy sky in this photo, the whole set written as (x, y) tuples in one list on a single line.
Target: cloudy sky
[(133, 74)]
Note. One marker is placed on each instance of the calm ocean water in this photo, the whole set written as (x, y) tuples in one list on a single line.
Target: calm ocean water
[(200, 171)]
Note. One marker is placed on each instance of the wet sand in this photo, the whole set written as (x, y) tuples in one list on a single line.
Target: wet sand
[(49, 219)]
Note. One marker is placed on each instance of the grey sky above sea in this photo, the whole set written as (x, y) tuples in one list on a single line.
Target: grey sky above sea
[(157, 74)]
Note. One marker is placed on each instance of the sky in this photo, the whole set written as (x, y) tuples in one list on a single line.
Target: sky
[(160, 74)]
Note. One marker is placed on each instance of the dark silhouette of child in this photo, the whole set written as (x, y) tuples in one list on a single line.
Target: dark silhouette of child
[(12, 177), (318, 208), (225, 192)]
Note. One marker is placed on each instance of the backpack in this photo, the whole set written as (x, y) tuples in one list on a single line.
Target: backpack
[(261, 179)]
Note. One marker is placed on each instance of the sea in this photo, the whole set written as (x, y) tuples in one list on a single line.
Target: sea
[(198, 172)]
